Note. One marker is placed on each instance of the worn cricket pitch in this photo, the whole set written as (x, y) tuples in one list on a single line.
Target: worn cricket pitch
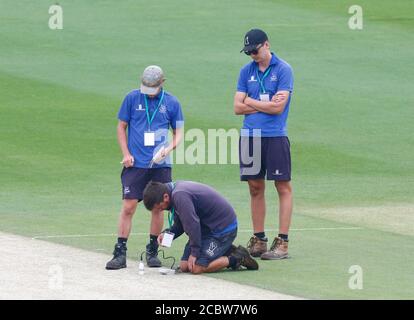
[(35, 269)]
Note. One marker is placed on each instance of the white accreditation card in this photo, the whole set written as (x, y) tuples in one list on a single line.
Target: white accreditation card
[(149, 139), (167, 239), (264, 97)]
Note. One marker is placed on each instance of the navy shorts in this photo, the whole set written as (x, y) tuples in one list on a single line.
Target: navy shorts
[(134, 180), (271, 157), (212, 248)]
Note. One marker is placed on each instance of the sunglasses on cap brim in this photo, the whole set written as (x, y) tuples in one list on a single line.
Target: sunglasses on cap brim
[(253, 51)]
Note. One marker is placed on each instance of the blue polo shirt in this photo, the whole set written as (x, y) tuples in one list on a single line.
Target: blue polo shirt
[(279, 78), (132, 111)]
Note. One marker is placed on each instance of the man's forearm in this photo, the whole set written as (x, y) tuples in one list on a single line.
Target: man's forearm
[(122, 141), (177, 137), (270, 107), (242, 108), (194, 234)]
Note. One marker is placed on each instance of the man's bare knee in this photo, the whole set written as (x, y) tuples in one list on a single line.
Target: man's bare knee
[(129, 207), (283, 187), (256, 189)]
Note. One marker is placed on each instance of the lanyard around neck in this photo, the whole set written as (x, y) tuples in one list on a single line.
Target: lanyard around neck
[(171, 217), (150, 119), (261, 81), (171, 213)]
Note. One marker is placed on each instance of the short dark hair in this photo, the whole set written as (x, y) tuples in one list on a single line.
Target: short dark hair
[(154, 194)]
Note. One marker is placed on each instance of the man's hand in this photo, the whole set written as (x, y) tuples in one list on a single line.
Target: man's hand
[(279, 97), (128, 160), (191, 262), (161, 154)]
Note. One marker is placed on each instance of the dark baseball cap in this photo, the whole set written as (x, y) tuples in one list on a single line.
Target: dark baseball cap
[(253, 38)]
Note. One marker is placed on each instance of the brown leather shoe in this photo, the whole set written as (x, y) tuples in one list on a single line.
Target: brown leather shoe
[(278, 250), (256, 246)]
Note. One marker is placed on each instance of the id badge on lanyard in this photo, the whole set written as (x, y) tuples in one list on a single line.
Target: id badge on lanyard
[(167, 239), (149, 135), (149, 139), (264, 97), (169, 236)]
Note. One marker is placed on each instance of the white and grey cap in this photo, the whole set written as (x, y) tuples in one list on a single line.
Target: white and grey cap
[(152, 78)]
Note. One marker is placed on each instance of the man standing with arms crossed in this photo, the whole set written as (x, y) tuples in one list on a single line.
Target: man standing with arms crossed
[(263, 96), (147, 114)]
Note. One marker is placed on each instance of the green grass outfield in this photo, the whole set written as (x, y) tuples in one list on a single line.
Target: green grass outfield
[(350, 124)]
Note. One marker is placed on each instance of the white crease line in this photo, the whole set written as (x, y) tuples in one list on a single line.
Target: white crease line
[(8, 239), (83, 235), (333, 228), (145, 233)]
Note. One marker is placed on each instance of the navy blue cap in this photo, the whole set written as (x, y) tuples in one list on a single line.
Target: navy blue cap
[(253, 38)]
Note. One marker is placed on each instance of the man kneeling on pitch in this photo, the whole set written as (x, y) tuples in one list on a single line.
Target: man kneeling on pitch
[(209, 221)]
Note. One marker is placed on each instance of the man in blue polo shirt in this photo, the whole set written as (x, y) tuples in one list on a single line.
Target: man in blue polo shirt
[(263, 96), (146, 115)]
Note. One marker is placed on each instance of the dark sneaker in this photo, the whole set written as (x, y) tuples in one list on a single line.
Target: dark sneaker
[(231, 250), (119, 259), (245, 259), (278, 250), (151, 256), (256, 246)]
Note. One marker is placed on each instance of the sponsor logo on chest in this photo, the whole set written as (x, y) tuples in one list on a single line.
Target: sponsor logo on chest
[(140, 108)]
